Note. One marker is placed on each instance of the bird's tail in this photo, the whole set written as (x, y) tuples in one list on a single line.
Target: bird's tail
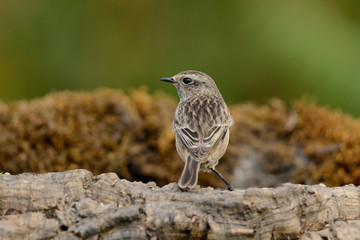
[(189, 176)]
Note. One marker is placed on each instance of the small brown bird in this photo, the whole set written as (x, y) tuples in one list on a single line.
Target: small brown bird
[(201, 124)]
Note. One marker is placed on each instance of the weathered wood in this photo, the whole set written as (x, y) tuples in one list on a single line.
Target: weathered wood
[(77, 205)]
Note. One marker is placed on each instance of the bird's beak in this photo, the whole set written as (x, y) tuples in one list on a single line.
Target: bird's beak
[(168, 79)]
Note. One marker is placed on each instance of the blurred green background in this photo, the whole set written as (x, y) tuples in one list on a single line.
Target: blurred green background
[(254, 50)]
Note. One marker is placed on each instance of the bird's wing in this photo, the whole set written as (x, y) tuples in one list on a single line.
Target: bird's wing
[(199, 125), (199, 144)]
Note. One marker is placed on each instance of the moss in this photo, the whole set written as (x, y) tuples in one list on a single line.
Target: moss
[(332, 140), (65, 131), (105, 131)]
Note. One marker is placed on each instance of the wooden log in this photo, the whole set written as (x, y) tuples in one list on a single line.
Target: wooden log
[(77, 205)]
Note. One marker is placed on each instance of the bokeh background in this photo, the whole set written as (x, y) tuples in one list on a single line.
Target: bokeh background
[(254, 50)]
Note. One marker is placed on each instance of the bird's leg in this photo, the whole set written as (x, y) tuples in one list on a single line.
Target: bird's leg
[(230, 188)]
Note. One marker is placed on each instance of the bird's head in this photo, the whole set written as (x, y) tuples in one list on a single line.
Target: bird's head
[(191, 83)]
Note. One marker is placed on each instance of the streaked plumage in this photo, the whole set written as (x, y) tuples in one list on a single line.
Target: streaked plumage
[(201, 124)]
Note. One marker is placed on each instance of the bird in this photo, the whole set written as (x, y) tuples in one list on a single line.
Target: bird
[(201, 124)]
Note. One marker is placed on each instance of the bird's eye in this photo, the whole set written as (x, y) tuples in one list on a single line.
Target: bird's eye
[(187, 80)]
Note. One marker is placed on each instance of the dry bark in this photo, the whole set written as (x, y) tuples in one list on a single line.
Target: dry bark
[(77, 205)]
